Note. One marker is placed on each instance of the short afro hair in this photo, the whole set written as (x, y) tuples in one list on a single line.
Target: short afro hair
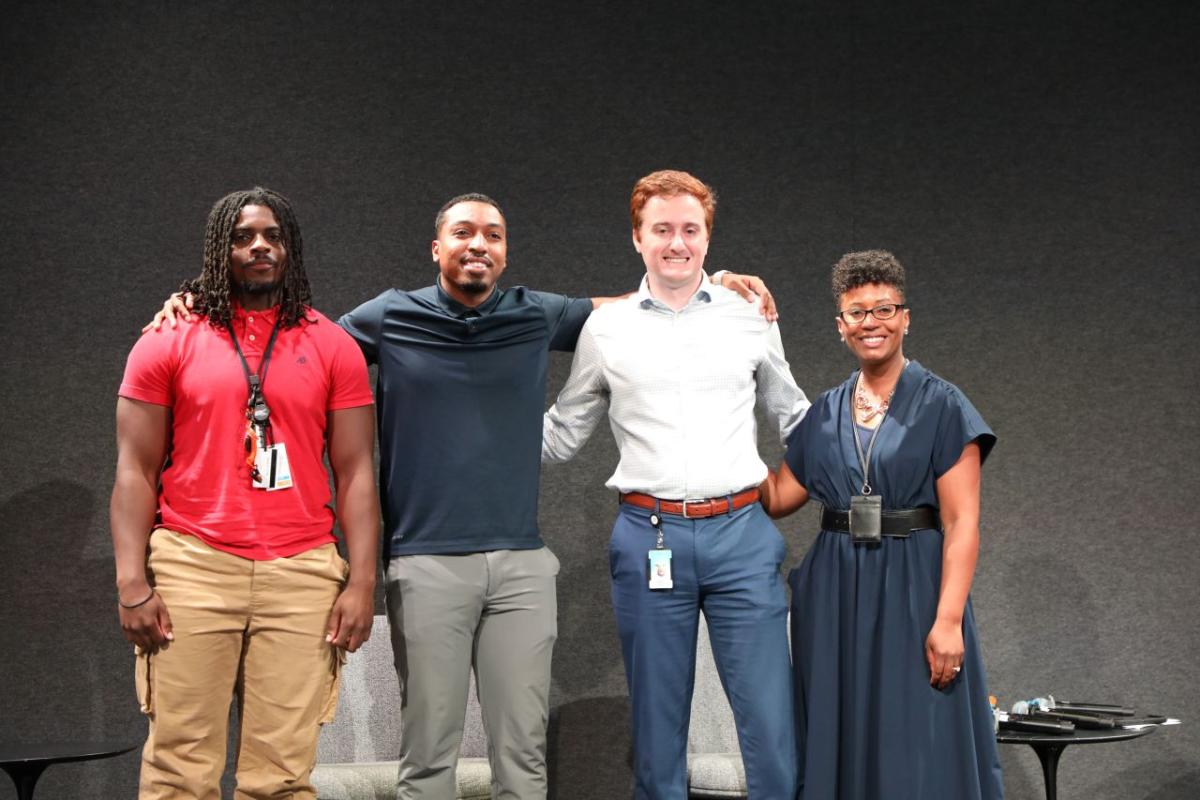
[(867, 266), (470, 197)]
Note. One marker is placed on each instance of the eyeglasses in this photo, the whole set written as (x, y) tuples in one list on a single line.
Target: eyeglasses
[(855, 316)]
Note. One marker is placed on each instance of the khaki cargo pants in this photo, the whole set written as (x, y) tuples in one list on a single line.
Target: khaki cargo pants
[(244, 629)]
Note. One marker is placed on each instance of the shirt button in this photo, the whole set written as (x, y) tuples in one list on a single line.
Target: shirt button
[(252, 337), (250, 319)]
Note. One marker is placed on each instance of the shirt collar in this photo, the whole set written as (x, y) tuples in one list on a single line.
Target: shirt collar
[(268, 315), (265, 314), (647, 300), (457, 309)]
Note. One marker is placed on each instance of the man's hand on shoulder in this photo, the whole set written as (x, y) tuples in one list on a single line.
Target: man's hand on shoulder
[(603, 301), (751, 288), (176, 306)]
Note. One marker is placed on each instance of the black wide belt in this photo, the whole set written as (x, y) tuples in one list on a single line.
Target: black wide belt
[(899, 522)]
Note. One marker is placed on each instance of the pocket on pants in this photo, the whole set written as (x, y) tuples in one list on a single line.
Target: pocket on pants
[(555, 566), (142, 680), (338, 567), (329, 709)]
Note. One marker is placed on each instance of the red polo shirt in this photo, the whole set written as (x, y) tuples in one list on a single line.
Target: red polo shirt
[(194, 370)]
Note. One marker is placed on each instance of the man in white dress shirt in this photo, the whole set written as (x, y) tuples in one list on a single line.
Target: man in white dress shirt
[(679, 367)]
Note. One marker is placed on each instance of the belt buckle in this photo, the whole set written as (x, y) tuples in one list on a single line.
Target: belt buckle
[(683, 506)]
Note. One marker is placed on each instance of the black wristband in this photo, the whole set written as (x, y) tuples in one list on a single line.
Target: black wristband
[(139, 603)]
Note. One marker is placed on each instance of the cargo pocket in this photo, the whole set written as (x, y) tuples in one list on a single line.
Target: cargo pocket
[(329, 709), (142, 674)]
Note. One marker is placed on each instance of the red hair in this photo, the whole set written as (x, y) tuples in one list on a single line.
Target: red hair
[(671, 183)]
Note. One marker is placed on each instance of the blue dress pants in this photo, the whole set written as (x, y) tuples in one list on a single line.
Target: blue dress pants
[(727, 566)]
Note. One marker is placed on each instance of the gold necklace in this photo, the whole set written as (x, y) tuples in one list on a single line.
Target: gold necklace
[(868, 410)]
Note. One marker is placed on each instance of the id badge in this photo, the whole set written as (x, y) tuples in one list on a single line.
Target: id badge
[(660, 569), (866, 519), (274, 472)]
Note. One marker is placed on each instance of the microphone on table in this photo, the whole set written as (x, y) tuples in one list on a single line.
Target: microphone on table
[(1091, 708), (1019, 720), (1033, 724), (1086, 716)]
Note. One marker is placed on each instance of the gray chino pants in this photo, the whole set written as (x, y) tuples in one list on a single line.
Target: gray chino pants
[(496, 612)]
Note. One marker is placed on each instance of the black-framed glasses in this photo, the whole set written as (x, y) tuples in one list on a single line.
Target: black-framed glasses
[(855, 316)]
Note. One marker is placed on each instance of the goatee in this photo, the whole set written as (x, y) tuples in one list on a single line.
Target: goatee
[(473, 287), (257, 287)]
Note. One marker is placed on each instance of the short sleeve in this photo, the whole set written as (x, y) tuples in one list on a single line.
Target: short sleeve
[(796, 448), (959, 425), (151, 366), (365, 325), (564, 317), (349, 385)]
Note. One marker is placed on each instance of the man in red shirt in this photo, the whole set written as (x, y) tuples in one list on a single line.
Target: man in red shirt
[(228, 577)]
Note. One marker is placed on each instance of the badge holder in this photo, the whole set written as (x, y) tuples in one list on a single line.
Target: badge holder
[(271, 470), (660, 559), (866, 518)]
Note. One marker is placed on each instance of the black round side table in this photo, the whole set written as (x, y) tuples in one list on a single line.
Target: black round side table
[(25, 762), (1049, 746)]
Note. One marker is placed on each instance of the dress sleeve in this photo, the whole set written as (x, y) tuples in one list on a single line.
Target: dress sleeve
[(151, 366), (959, 425), (565, 317), (365, 326), (796, 446)]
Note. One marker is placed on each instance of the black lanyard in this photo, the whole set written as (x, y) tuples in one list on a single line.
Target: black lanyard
[(256, 404)]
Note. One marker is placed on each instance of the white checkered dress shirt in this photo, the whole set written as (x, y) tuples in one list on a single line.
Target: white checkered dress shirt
[(680, 390)]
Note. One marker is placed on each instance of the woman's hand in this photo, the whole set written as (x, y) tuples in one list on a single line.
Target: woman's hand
[(780, 493), (944, 652)]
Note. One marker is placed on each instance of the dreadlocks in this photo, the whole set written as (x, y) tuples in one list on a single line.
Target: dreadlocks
[(213, 289)]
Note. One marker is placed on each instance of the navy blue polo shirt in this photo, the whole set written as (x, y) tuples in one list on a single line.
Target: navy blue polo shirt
[(459, 397)]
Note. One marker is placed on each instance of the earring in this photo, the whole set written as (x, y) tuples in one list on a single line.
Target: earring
[(906, 331), (843, 338)]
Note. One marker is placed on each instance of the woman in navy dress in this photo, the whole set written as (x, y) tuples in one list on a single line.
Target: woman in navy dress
[(891, 697)]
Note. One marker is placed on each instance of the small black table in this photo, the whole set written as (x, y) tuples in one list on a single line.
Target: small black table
[(1049, 746), (25, 762)]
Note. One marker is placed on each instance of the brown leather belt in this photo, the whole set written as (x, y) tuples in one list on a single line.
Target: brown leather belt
[(693, 509)]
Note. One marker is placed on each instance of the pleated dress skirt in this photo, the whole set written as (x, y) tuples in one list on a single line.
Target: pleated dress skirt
[(869, 725)]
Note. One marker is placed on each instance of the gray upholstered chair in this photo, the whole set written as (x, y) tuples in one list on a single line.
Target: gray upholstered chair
[(357, 751), (714, 759)]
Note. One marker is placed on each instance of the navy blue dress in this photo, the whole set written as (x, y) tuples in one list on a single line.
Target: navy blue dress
[(869, 725)]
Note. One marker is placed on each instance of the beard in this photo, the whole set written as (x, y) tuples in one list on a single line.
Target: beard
[(251, 288), (472, 287)]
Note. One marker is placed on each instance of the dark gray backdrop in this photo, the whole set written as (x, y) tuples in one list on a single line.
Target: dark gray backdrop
[(1034, 165)]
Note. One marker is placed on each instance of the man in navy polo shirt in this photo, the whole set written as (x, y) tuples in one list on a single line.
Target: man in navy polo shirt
[(461, 389)]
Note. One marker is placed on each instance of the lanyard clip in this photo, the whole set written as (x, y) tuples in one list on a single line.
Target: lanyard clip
[(656, 523)]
